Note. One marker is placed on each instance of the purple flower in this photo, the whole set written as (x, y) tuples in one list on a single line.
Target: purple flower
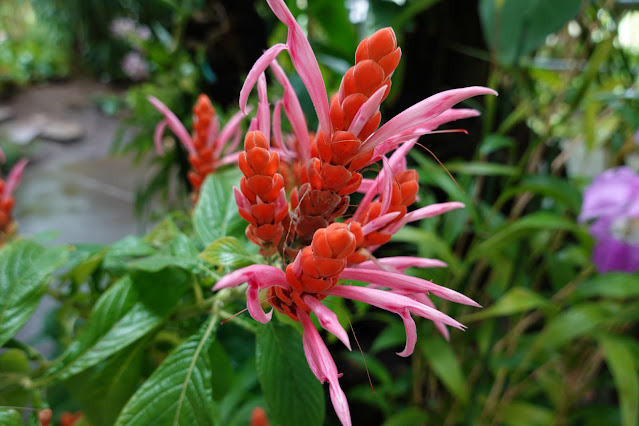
[(135, 66), (613, 201)]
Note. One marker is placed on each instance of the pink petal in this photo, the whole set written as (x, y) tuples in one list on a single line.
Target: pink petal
[(387, 184), (422, 112), (294, 112), (277, 125), (327, 319), (157, 136), (237, 137), (241, 201), (3, 157), (411, 333), (379, 222), (323, 366), (421, 297), (174, 124), (212, 132), (232, 126), (305, 64), (254, 306), (258, 68), (14, 177), (228, 159), (263, 110), (431, 210), (372, 189), (392, 302), (264, 276), (405, 283), (401, 263), (366, 111)]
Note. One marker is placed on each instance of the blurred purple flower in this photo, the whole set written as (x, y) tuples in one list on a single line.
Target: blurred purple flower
[(122, 27), (135, 66), (143, 32), (613, 201)]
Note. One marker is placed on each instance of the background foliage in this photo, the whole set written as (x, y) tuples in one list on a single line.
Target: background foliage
[(138, 338)]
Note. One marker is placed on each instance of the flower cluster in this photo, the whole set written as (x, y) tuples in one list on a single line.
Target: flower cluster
[(7, 225), (613, 201), (209, 147), (322, 170)]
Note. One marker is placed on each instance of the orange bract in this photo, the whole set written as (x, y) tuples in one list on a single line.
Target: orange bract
[(203, 162)]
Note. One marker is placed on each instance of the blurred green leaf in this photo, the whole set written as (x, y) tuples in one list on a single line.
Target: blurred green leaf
[(293, 395), (14, 373), (104, 389), (495, 142), (158, 262), (623, 366), (482, 169), (444, 363), (216, 213), (516, 27), (10, 417), (522, 413), (179, 392), (222, 375), (561, 191), (410, 416), (25, 272), (227, 251), (131, 308), (514, 301), (612, 285)]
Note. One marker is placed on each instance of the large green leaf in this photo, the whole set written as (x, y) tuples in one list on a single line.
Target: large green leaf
[(131, 308), (444, 363), (216, 213), (103, 390), (25, 271), (293, 395), (623, 366), (227, 251), (179, 392), (517, 27)]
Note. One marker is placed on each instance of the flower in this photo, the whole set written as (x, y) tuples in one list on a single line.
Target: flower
[(613, 201), (135, 66), (208, 148), (7, 226)]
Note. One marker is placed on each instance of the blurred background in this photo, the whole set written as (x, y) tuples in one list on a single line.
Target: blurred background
[(557, 340)]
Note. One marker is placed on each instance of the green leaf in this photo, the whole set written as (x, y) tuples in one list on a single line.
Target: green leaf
[(104, 389), (517, 27), (623, 366), (10, 417), (25, 272), (611, 286), (158, 262), (179, 392), (444, 363), (216, 213), (131, 308), (408, 417), (577, 321), (14, 369), (519, 413), (227, 251), (514, 301), (527, 225), (548, 186), (495, 142), (482, 169), (293, 395)]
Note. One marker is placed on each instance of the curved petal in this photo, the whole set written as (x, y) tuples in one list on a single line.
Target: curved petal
[(421, 297), (157, 136), (254, 306), (379, 222), (392, 302), (305, 64), (411, 333), (294, 112), (265, 276), (15, 175), (432, 210), (422, 112), (405, 283), (327, 319), (258, 68), (174, 124), (232, 126), (323, 366), (228, 159), (212, 134)]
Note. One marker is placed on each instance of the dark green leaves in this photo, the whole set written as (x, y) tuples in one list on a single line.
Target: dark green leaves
[(227, 251), (623, 366), (131, 308), (517, 27), (216, 213), (293, 395), (179, 392), (25, 271)]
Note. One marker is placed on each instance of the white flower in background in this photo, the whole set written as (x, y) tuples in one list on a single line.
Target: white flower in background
[(629, 32), (135, 66)]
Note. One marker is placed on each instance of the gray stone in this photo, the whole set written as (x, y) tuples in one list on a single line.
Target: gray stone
[(62, 130), (23, 130)]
